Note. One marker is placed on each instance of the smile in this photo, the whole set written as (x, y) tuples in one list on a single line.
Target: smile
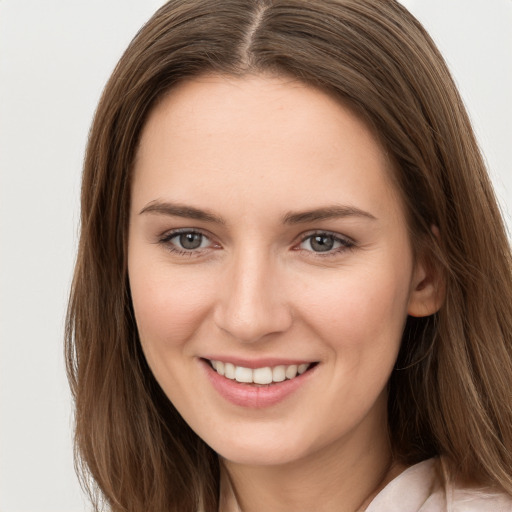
[(266, 384), (264, 375)]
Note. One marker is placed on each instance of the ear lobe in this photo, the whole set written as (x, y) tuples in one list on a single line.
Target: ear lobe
[(428, 290)]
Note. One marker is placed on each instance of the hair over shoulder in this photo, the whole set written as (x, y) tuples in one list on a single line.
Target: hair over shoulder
[(451, 391)]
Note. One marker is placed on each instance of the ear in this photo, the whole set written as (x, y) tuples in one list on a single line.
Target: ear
[(428, 286)]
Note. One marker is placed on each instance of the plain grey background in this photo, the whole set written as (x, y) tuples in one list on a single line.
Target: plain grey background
[(55, 57)]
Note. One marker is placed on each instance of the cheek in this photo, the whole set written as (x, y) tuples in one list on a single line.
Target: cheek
[(168, 307), (169, 310), (360, 312)]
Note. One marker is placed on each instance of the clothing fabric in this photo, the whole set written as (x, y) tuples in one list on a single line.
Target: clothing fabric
[(428, 487), (424, 487)]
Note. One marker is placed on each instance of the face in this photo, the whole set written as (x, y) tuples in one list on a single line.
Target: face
[(270, 267)]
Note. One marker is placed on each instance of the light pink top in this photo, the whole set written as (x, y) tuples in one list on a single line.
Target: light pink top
[(425, 487)]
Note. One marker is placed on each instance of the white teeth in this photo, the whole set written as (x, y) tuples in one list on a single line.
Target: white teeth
[(229, 371), (302, 368), (243, 374), (262, 375), (291, 371), (265, 375), (279, 373)]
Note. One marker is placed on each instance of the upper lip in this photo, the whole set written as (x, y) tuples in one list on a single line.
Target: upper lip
[(259, 362)]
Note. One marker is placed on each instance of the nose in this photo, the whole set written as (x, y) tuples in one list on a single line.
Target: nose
[(253, 302)]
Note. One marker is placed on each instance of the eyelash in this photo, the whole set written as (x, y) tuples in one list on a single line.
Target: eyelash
[(166, 241), (345, 243)]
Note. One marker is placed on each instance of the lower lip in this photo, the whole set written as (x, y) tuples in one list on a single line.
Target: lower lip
[(254, 396)]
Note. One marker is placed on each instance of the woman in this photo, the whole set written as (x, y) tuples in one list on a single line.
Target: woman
[(293, 287)]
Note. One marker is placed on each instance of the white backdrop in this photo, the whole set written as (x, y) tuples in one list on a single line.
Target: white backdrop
[(55, 57)]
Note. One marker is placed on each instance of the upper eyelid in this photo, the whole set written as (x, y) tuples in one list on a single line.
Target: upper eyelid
[(170, 233), (316, 232)]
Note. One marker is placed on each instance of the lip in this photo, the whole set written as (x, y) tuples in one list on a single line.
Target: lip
[(255, 396), (258, 362)]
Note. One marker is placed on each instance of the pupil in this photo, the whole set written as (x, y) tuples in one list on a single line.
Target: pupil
[(190, 240), (322, 243)]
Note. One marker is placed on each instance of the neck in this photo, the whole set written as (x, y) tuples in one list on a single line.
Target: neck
[(344, 477)]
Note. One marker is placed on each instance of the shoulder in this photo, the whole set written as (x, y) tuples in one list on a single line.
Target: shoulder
[(429, 487), (478, 500), (460, 498)]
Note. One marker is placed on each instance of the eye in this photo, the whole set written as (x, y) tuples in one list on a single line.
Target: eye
[(325, 243), (191, 241), (186, 241)]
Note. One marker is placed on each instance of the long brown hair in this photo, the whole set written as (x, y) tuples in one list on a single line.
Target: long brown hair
[(451, 391)]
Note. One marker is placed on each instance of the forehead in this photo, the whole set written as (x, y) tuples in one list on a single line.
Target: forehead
[(267, 139)]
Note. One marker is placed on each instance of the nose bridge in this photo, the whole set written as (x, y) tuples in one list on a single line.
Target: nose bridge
[(253, 304)]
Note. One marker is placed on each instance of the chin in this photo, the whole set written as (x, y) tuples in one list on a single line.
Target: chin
[(258, 456), (261, 450)]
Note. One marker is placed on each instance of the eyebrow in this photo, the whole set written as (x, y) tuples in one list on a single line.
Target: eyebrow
[(189, 212), (180, 210), (330, 212)]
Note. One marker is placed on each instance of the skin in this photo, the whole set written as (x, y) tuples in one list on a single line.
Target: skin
[(251, 151)]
